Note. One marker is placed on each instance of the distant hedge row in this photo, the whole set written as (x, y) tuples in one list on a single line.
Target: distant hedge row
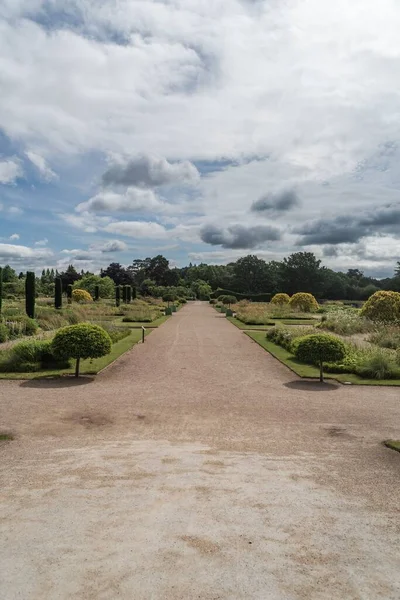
[(252, 297)]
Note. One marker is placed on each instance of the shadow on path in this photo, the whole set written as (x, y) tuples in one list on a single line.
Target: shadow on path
[(312, 386), (57, 382)]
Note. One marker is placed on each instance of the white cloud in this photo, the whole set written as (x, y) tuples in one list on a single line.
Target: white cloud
[(45, 171), (10, 170), (14, 236), (137, 229), (15, 210), (43, 242), (13, 252)]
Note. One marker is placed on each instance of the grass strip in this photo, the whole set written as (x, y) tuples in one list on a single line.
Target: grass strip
[(88, 367), (139, 324), (309, 371), (393, 444)]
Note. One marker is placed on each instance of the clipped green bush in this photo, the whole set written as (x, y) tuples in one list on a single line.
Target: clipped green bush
[(30, 294), (117, 295), (96, 293), (319, 348), (303, 302), (58, 293), (280, 299), (80, 342), (81, 296), (20, 325), (227, 299), (383, 306)]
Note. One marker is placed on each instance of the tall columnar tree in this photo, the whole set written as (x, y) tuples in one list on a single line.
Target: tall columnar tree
[(117, 295), (30, 292), (58, 293), (134, 292), (69, 292), (1, 287), (128, 294), (124, 294), (96, 293)]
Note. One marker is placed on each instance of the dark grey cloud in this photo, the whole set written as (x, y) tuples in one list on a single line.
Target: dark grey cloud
[(281, 202), (350, 229), (239, 236), (148, 171)]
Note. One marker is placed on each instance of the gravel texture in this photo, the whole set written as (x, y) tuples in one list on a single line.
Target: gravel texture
[(198, 467)]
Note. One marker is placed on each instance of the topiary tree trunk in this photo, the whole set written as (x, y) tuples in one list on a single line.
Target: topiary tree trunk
[(30, 291), (69, 293), (133, 293), (1, 287), (96, 293), (58, 293), (117, 295)]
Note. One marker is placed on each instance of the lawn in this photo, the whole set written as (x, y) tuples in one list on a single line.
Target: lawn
[(309, 371), (139, 325), (88, 367), (270, 323), (393, 444)]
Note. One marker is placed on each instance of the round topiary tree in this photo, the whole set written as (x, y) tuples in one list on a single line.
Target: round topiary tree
[(319, 348), (169, 297), (303, 302), (228, 300), (382, 306), (81, 296), (81, 341), (280, 299)]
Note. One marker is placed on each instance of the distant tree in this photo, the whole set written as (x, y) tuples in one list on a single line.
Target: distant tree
[(9, 275), (301, 272), (119, 274), (69, 277), (89, 283), (157, 269), (251, 275)]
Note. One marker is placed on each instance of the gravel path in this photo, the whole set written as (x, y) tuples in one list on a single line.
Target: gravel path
[(198, 467)]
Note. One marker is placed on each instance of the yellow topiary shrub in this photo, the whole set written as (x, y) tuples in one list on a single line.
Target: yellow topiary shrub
[(303, 302), (382, 306), (81, 296), (280, 299)]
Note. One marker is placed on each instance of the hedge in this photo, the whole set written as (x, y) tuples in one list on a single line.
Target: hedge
[(252, 297)]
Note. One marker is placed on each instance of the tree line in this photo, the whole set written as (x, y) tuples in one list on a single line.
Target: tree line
[(299, 272)]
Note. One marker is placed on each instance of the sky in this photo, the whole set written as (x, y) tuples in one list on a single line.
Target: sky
[(203, 131)]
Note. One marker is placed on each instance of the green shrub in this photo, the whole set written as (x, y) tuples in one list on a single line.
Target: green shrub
[(383, 306), (345, 322), (32, 355), (21, 325), (303, 302), (319, 348), (80, 342), (58, 293), (280, 299), (386, 337), (378, 364), (285, 336), (3, 333), (213, 301), (227, 299)]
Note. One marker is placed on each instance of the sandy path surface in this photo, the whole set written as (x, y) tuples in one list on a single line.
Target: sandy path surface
[(198, 467)]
